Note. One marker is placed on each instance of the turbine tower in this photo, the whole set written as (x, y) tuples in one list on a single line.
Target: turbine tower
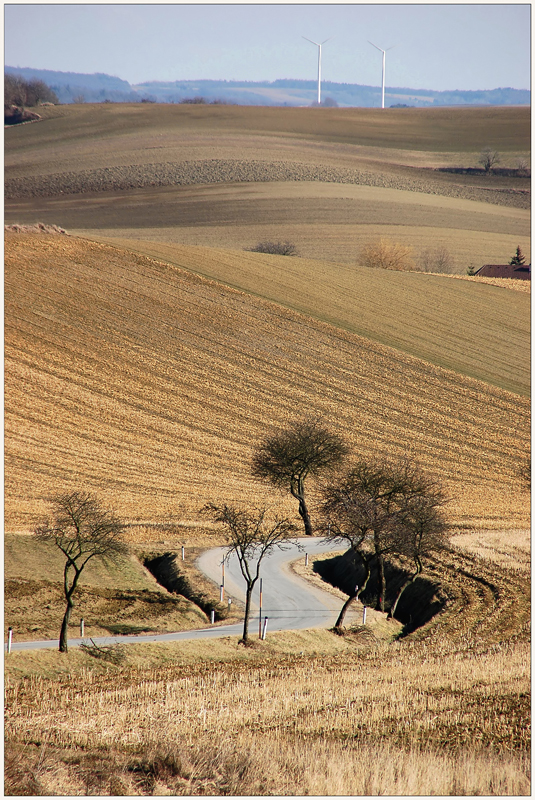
[(318, 45), (384, 59)]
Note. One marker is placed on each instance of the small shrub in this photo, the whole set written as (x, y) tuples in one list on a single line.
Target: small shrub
[(436, 259), (384, 254), (274, 248)]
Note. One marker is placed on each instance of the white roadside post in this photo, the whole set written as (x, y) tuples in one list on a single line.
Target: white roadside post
[(229, 602), (306, 559), (9, 639), (221, 593), (364, 615), (182, 552), (82, 627), (260, 616), (264, 629), (212, 616)]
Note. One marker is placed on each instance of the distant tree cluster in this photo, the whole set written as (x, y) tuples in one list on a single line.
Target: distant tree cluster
[(26, 94), (201, 101)]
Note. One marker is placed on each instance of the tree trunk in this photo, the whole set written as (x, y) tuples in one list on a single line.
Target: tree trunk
[(382, 581), (305, 516), (248, 595), (339, 622), (407, 583), (63, 647)]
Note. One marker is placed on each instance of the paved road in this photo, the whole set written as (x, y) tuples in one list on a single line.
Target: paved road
[(288, 601)]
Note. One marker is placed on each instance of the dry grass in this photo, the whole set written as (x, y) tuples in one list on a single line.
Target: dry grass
[(445, 711)]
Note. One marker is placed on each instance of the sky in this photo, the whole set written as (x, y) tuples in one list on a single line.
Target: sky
[(434, 46)]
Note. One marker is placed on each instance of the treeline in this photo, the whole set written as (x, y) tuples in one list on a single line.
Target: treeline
[(21, 94), (26, 93)]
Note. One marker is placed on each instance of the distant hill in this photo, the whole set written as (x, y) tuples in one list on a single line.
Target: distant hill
[(99, 87)]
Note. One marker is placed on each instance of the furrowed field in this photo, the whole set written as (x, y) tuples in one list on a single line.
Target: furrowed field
[(146, 356)]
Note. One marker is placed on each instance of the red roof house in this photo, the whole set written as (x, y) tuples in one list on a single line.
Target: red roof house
[(519, 271)]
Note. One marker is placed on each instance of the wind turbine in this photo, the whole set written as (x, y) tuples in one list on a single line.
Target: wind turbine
[(318, 45), (384, 59)]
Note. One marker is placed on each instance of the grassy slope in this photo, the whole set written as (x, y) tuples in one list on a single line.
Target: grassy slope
[(151, 386), (475, 329)]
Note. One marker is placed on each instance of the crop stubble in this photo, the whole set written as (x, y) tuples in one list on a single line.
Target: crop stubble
[(151, 386)]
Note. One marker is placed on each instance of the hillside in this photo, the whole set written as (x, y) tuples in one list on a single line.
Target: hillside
[(136, 379), (329, 180), (100, 87)]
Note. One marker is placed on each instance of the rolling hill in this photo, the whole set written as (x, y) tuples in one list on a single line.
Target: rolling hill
[(131, 377)]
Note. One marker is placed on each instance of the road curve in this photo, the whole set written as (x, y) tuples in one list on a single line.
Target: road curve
[(288, 601)]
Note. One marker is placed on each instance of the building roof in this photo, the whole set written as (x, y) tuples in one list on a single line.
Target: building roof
[(518, 271)]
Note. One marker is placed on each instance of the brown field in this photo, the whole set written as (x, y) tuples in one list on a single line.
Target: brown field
[(231, 176), (146, 365), (151, 386)]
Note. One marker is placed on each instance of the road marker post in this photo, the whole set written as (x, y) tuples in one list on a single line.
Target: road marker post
[(82, 627), (260, 617), (264, 629), (221, 593), (306, 559), (364, 615), (229, 602), (182, 552), (212, 616), (9, 639)]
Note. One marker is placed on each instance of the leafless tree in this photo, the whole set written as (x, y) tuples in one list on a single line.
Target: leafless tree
[(423, 530), (252, 536), (488, 159), (374, 508), (287, 458), (436, 259), (82, 530)]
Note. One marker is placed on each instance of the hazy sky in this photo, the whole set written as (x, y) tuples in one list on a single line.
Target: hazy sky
[(435, 46)]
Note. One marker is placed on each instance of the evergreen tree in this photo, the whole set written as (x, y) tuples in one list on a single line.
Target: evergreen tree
[(518, 258)]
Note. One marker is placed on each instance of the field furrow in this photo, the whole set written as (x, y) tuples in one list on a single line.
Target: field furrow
[(151, 386)]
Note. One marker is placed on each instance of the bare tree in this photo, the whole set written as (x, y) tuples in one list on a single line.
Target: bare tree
[(374, 509), (488, 159), (82, 530), (436, 259), (423, 530), (252, 536), (286, 459)]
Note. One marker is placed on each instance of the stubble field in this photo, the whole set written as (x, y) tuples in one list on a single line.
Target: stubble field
[(152, 386)]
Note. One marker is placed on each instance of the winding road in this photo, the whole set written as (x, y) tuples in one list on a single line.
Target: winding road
[(288, 601)]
